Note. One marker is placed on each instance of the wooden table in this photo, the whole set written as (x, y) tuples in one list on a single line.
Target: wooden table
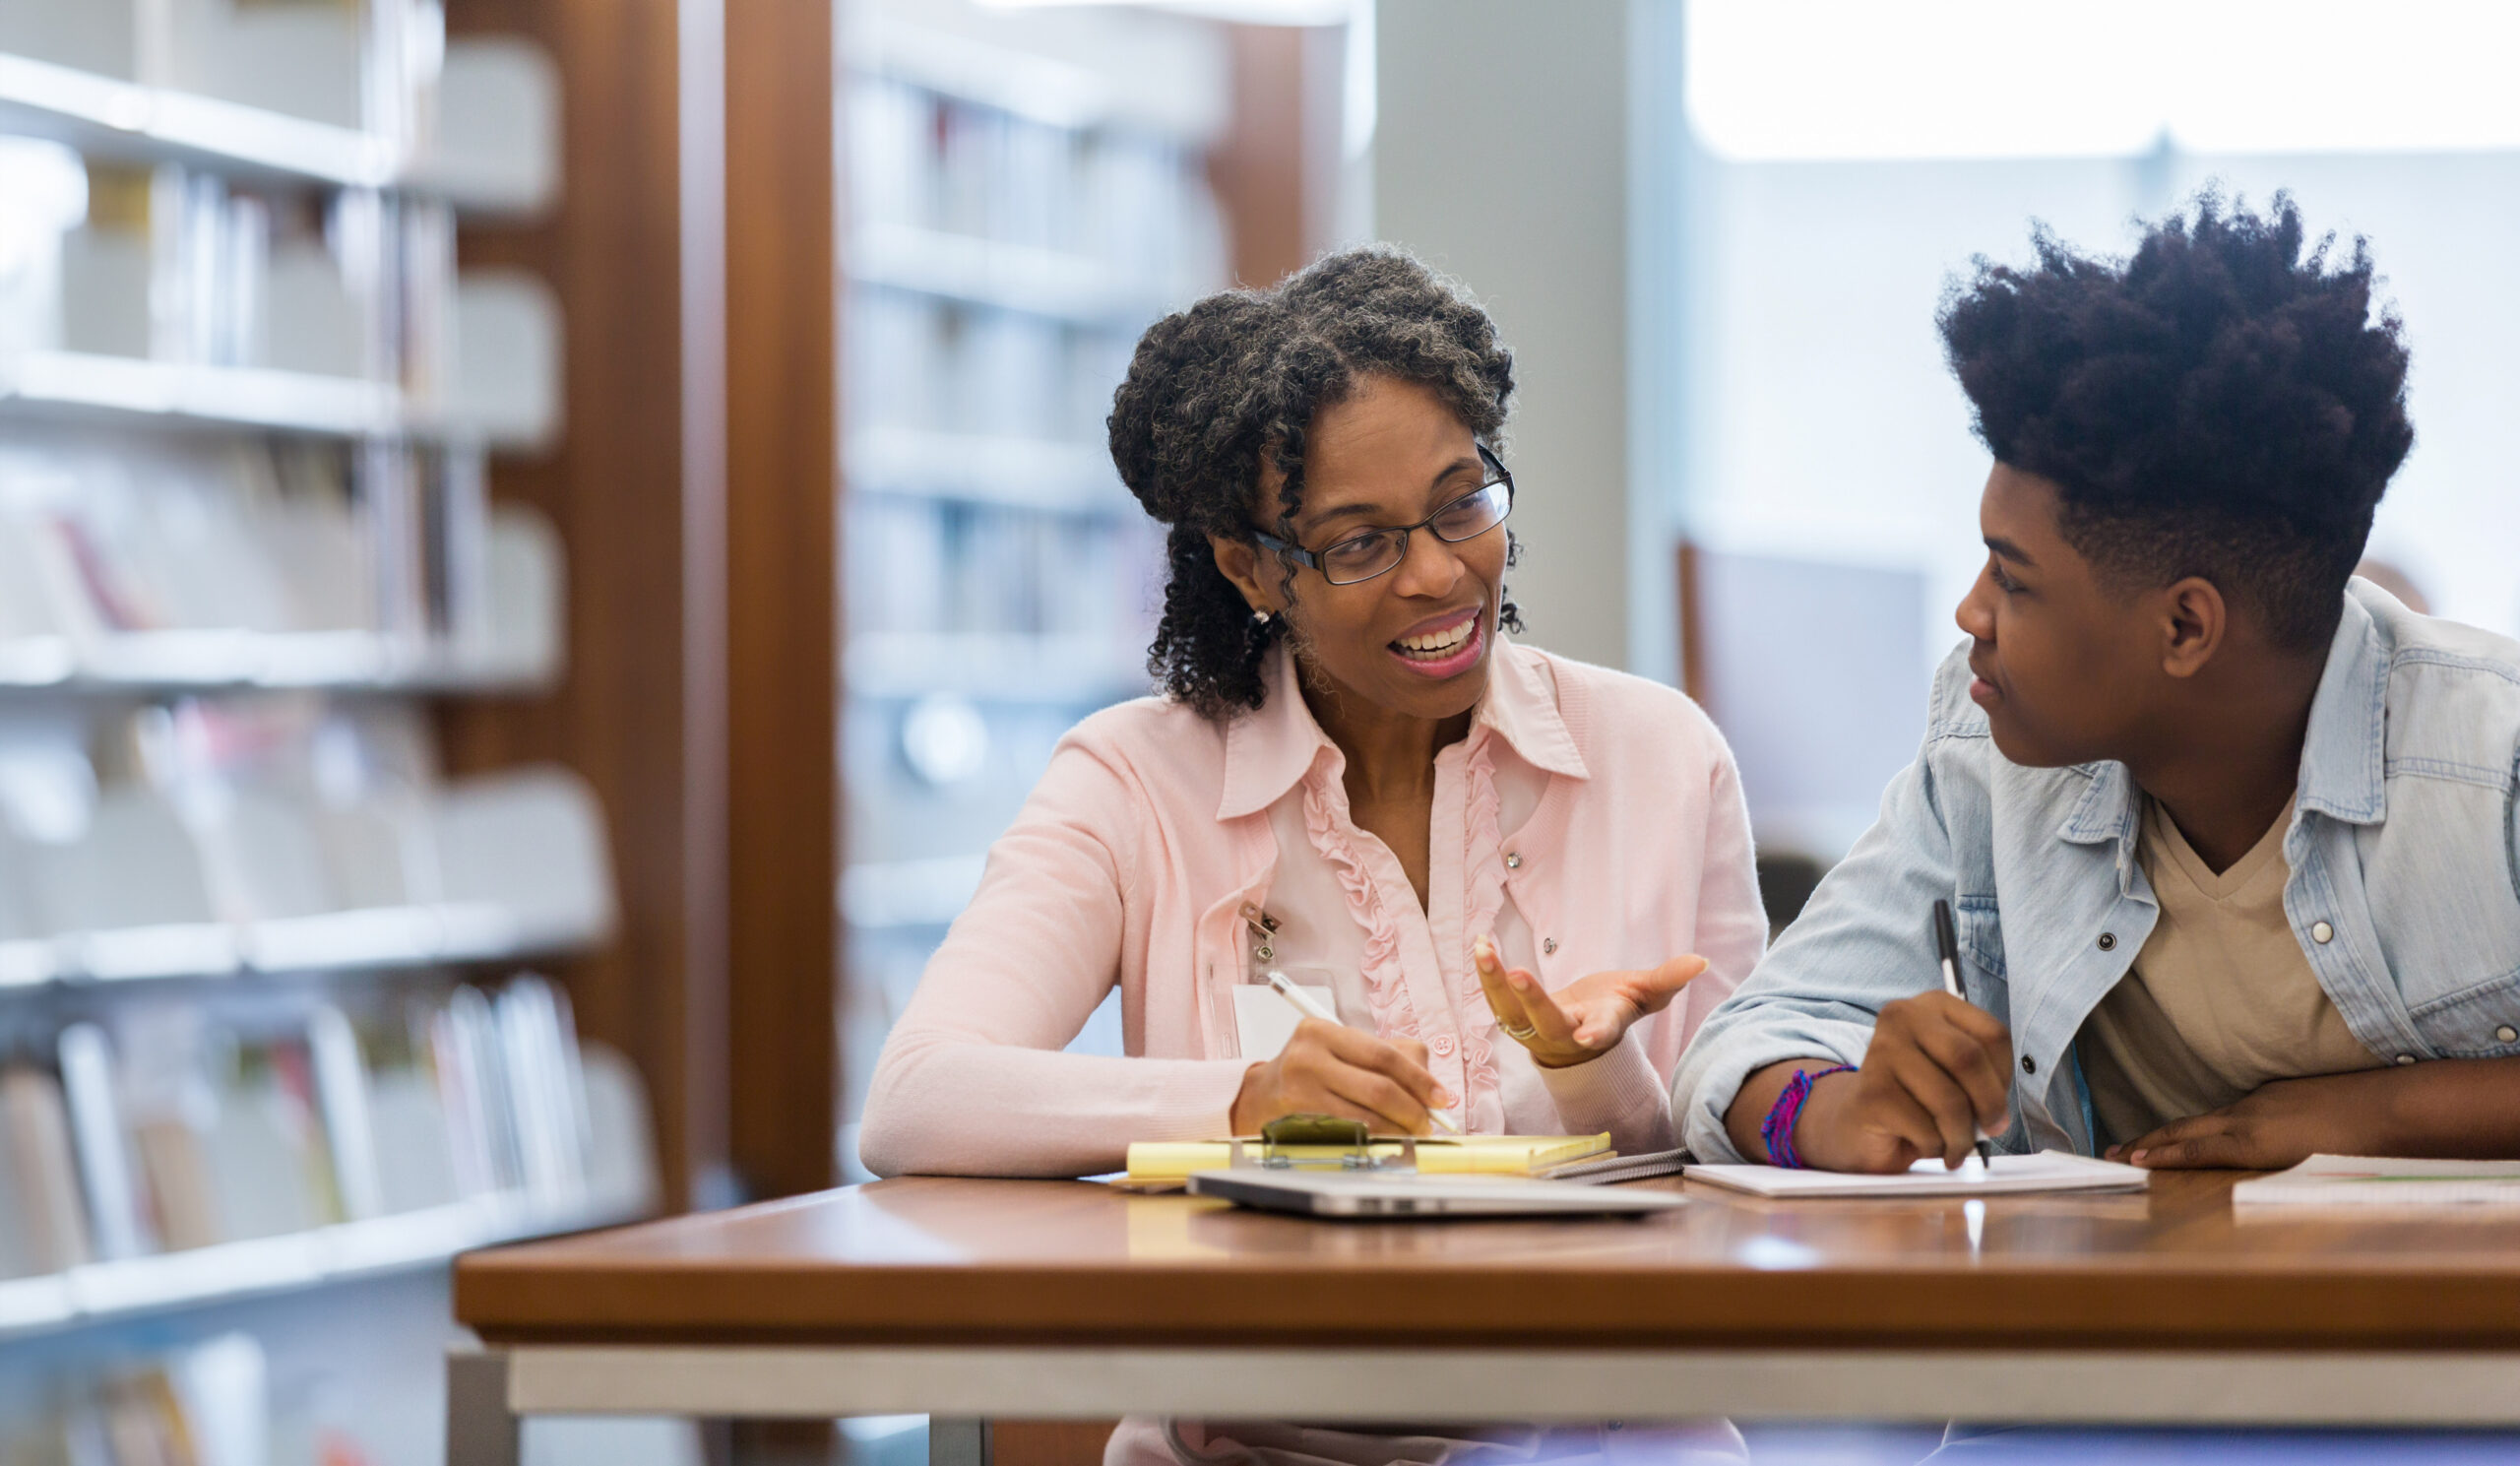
[(1062, 1299)]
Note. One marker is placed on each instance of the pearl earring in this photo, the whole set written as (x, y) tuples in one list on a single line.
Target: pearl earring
[(1261, 617)]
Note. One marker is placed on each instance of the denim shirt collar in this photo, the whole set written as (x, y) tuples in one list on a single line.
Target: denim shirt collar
[(2342, 765), (2343, 760), (1269, 748)]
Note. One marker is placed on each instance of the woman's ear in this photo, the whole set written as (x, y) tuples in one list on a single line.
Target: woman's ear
[(2195, 622), (1238, 561)]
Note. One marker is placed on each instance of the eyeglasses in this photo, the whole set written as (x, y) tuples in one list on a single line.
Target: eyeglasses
[(1379, 552)]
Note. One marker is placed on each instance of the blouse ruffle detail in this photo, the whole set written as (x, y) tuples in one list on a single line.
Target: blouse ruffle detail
[(1386, 987), (1483, 896)]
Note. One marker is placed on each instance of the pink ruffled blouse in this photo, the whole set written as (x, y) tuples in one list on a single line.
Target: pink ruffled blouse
[(1592, 820)]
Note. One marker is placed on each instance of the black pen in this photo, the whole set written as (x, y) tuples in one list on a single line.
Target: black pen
[(1947, 941)]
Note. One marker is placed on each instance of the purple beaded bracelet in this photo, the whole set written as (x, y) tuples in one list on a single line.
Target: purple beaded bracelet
[(1777, 1129)]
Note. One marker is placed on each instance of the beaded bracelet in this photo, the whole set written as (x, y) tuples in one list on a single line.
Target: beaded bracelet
[(1777, 1129)]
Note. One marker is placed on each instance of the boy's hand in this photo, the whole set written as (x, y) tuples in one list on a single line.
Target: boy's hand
[(1938, 1072), (2280, 1124)]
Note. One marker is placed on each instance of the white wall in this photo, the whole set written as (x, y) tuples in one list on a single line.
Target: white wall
[(1501, 157), (1822, 424)]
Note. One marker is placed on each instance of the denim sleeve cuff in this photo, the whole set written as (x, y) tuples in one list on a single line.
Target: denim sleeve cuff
[(1714, 1075)]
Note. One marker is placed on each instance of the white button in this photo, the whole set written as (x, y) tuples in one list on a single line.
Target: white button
[(2322, 933), (1514, 861), (2406, 1058), (1443, 1045), (1549, 946), (2507, 1033)]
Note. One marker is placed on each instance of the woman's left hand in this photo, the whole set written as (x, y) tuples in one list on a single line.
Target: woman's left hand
[(1586, 1018)]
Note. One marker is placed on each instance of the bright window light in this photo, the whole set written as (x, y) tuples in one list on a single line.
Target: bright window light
[(1249, 12), (1775, 79)]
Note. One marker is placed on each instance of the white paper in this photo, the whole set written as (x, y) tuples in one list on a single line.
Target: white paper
[(2375, 1180), (1266, 1022), (2004, 1176)]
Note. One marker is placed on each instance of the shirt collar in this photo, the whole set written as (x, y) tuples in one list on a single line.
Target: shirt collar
[(2343, 774), (1269, 749)]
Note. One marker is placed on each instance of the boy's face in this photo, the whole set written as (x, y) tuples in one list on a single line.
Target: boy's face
[(2066, 669)]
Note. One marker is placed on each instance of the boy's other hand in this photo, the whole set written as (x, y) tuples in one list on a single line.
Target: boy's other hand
[(2280, 1125), (1938, 1072)]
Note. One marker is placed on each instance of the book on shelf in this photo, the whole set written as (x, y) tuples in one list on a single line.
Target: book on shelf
[(119, 1211), (280, 562), (184, 1128), (46, 1221), (207, 1402), (181, 265), (370, 67), (287, 834), (341, 310)]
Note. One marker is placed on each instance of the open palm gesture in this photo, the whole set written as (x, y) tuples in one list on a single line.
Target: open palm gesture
[(1584, 1019)]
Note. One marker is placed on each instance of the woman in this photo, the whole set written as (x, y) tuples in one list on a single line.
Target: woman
[(1352, 770)]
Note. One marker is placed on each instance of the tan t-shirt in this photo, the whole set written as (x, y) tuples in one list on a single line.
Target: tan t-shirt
[(2220, 998)]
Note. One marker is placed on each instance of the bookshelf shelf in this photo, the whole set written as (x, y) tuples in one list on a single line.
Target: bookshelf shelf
[(373, 940), (90, 386), (105, 117), (994, 667), (225, 1272), (1172, 93), (1009, 276), (1019, 473), (177, 662)]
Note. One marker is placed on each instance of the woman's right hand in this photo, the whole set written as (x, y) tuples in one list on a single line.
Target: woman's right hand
[(1329, 1069)]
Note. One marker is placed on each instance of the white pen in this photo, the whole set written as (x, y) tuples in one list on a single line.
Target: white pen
[(1310, 1006)]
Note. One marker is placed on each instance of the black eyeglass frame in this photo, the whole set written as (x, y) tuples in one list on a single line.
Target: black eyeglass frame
[(1311, 559)]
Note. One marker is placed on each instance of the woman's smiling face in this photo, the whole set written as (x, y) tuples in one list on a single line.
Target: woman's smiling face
[(1417, 639)]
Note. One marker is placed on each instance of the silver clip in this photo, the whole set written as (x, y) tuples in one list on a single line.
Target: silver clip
[(1264, 929), (1349, 1146)]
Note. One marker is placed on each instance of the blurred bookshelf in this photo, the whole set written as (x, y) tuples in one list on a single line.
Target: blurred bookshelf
[(1021, 196), (268, 1019)]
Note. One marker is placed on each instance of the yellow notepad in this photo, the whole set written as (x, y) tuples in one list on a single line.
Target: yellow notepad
[(1481, 1155)]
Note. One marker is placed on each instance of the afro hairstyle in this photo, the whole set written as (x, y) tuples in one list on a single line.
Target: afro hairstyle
[(2223, 404)]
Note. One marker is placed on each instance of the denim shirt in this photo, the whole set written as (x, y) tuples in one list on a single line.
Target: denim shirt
[(2404, 889)]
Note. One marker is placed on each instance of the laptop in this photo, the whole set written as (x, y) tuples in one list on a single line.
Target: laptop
[(1405, 1193)]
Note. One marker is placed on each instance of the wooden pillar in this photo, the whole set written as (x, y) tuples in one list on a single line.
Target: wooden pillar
[(783, 462)]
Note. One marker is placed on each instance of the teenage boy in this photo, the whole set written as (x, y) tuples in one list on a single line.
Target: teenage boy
[(2232, 842)]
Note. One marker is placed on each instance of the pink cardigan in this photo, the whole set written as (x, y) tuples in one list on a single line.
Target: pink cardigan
[(1150, 831)]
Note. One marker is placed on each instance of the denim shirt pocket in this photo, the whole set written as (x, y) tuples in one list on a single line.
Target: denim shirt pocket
[(2449, 923), (1982, 952), (2471, 1023)]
